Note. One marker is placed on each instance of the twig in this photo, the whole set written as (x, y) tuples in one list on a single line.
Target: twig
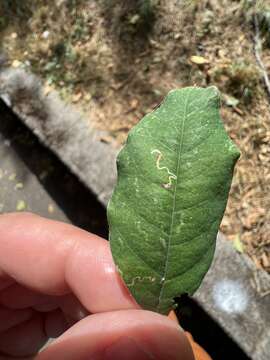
[(257, 51)]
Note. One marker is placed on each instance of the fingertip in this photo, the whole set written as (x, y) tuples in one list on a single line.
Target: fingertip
[(132, 334), (54, 258), (98, 286), (9, 216)]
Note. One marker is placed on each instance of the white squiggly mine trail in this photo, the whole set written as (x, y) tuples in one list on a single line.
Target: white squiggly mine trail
[(142, 279), (172, 176)]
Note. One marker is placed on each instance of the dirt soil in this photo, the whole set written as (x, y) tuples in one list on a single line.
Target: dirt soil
[(117, 59)]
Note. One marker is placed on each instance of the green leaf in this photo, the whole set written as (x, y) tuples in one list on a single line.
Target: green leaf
[(174, 175)]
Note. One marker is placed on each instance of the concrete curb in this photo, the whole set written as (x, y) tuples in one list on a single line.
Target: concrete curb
[(62, 129), (237, 296), (234, 292)]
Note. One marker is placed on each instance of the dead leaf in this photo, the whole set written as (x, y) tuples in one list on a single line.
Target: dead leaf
[(88, 97), (16, 64), (12, 177), (18, 186), (238, 111), (134, 103), (51, 208), (198, 60), (106, 139), (14, 35), (77, 97), (253, 218), (134, 19), (265, 260), (21, 205), (230, 100), (237, 244), (47, 89)]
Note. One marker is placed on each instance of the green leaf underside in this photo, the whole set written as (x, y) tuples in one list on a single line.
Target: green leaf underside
[(174, 175)]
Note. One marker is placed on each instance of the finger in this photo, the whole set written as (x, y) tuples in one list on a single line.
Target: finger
[(56, 258), (25, 339), (17, 296), (126, 334), (55, 324), (72, 309), (10, 318), (5, 357), (5, 280), (46, 307)]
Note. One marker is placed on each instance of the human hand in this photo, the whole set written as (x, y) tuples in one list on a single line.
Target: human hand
[(59, 281)]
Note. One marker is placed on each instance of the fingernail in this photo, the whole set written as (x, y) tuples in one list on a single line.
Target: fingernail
[(127, 349)]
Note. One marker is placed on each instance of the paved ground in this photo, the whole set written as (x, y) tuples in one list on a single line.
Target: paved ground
[(34, 179), (19, 188)]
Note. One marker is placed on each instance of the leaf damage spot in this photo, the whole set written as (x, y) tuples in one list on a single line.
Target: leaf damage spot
[(172, 176), (139, 279)]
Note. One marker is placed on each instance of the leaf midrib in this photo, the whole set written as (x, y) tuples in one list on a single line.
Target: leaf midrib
[(174, 200)]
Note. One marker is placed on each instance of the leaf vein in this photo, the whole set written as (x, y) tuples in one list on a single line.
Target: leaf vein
[(174, 196)]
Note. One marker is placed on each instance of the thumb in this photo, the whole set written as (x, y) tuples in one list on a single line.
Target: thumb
[(125, 334)]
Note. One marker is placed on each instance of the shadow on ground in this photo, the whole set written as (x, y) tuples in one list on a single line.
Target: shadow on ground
[(77, 202)]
